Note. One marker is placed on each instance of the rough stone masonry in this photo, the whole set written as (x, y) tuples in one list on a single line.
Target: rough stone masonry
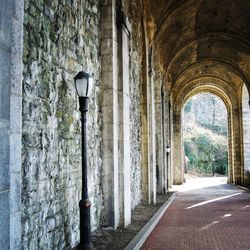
[(60, 39)]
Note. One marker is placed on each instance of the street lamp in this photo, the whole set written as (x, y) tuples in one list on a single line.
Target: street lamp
[(84, 84), (168, 149)]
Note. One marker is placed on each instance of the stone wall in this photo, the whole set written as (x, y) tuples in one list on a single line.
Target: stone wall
[(135, 109), (61, 38), (135, 125)]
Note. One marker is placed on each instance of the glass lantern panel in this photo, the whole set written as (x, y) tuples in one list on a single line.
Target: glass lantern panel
[(81, 86)]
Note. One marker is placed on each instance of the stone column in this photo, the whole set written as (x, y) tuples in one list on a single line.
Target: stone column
[(168, 127), (160, 137), (11, 44), (151, 141), (238, 146), (177, 148), (124, 120), (246, 134), (144, 122), (110, 111)]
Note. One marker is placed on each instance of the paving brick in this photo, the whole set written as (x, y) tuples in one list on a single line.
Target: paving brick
[(213, 217)]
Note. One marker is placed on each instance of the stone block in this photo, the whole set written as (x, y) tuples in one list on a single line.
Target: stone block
[(15, 230), (15, 149), (15, 192), (5, 24), (5, 221), (17, 38), (4, 84), (107, 169), (18, 9), (15, 114), (4, 160), (108, 131), (6, 5), (107, 31), (108, 96), (106, 2), (106, 46), (107, 64), (108, 149), (107, 15), (107, 80), (16, 74)]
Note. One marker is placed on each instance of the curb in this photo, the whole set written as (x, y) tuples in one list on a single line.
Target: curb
[(238, 186), (141, 237), (241, 187)]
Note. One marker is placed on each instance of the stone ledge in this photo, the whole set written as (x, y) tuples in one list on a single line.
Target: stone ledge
[(143, 215), (241, 187), (140, 238)]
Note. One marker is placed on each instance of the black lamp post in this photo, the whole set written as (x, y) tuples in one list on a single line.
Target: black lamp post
[(83, 83), (168, 149)]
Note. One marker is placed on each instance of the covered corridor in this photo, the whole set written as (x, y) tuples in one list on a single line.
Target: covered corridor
[(119, 140)]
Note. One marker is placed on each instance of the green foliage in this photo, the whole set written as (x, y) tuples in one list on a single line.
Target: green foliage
[(205, 134), (201, 150), (188, 107), (218, 129)]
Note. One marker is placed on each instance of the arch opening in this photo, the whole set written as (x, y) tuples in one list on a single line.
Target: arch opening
[(227, 94), (205, 135)]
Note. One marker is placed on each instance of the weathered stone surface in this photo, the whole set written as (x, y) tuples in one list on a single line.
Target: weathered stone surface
[(15, 230), (60, 39), (4, 159), (246, 134), (4, 218), (5, 81), (135, 115)]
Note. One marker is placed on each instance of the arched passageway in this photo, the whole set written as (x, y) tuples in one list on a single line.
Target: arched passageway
[(228, 95), (203, 48), (147, 57)]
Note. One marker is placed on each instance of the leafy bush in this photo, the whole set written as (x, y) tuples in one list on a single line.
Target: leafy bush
[(201, 149), (205, 134)]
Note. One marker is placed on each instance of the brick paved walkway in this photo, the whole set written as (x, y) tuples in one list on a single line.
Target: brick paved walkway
[(209, 217)]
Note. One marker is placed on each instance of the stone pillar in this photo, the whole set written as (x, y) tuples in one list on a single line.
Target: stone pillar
[(246, 134), (168, 127), (11, 44), (177, 148), (124, 120), (151, 141), (110, 111), (237, 147), (230, 148), (160, 137), (144, 122)]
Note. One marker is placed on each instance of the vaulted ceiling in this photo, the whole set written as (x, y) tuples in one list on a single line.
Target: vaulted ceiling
[(202, 38)]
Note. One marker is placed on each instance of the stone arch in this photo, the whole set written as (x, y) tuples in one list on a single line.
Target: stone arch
[(223, 90)]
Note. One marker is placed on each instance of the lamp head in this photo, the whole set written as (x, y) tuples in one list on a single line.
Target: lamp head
[(83, 83), (168, 149)]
